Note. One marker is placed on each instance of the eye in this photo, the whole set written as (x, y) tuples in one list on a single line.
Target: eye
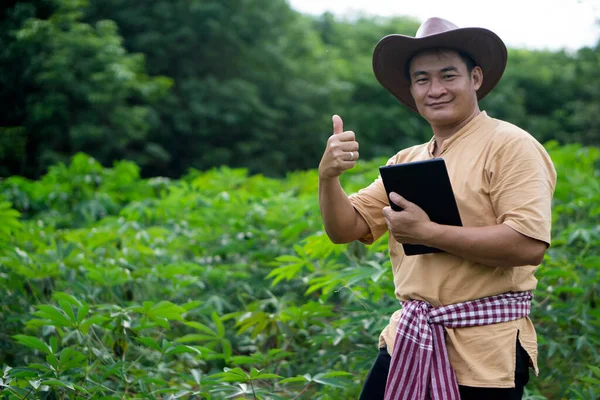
[(449, 76), (421, 80)]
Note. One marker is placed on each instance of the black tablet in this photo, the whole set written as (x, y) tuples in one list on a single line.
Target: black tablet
[(427, 184)]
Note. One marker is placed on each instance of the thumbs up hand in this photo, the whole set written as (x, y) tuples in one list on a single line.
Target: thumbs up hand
[(341, 152)]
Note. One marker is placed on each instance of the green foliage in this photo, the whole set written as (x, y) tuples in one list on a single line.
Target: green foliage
[(567, 309), (71, 86), (180, 84), (550, 94), (247, 75), (223, 284), (9, 222)]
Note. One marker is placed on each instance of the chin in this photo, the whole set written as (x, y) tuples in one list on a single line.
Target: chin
[(441, 117)]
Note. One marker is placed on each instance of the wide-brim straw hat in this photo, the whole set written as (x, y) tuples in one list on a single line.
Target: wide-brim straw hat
[(393, 52)]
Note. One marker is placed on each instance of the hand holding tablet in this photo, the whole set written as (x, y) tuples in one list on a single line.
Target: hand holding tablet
[(427, 184)]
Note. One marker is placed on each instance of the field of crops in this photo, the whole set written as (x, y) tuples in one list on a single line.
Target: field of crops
[(223, 285)]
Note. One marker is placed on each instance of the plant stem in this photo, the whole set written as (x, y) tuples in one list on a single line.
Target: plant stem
[(304, 389), (28, 393), (252, 386)]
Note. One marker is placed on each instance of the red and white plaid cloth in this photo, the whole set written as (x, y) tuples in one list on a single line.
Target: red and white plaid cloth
[(420, 368)]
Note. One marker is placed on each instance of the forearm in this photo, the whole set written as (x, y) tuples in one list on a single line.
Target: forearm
[(341, 220), (498, 245)]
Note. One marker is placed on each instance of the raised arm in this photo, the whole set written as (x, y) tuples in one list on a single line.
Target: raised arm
[(343, 223)]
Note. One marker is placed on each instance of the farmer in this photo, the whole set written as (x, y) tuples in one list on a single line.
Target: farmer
[(503, 181)]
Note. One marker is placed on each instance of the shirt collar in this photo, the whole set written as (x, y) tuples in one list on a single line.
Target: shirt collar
[(465, 131)]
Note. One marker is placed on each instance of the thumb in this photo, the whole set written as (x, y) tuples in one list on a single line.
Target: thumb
[(338, 124), (399, 200)]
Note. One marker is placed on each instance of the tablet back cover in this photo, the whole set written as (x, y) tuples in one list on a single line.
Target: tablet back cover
[(425, 183)]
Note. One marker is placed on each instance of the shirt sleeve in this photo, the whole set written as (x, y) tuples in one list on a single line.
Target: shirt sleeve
[(369, 202), (522, 182)]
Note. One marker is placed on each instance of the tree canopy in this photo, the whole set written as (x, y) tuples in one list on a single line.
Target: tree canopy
[(181, 84)]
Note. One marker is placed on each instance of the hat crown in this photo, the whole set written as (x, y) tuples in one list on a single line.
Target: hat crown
[(433, 26)]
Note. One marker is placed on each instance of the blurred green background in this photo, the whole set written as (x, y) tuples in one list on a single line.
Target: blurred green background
[(180, 84), (160, 236)]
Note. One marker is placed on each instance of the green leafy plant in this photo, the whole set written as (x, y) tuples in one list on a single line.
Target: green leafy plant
[(224, 285)]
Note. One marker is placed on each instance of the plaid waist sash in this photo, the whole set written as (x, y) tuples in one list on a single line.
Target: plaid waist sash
[(420, 368)]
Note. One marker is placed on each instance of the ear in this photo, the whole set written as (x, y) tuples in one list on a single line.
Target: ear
[(477, 77)]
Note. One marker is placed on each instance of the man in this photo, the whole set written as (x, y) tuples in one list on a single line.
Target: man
[(503, 181)]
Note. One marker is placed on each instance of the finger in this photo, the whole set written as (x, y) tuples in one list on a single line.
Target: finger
[(347, 136), (345, 165), (387, 212), (351, 156), (337, 140), (399, 200), (338, 124), (349, 146)]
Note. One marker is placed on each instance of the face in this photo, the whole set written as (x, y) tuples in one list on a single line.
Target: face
[(443, 89)]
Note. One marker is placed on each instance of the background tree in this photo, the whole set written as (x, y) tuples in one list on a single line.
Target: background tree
[(70, 86), (252, 80), (181, 84)]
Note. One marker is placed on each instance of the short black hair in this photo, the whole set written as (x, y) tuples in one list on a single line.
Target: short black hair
[(466, 58)]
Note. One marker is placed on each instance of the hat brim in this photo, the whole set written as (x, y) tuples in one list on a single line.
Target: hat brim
[(392, 53)]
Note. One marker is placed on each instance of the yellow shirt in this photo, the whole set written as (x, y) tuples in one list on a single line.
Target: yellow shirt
[(500, 175)]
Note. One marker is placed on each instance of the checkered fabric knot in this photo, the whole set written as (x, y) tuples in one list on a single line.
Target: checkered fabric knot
[(420, 368)]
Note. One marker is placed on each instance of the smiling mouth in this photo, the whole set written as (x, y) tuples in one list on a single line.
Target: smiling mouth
[(438, 104)]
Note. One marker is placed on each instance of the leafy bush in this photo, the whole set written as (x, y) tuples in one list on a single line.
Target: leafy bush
[(223, 285)]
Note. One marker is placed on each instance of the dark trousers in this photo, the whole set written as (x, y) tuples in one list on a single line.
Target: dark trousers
[(374, 387)]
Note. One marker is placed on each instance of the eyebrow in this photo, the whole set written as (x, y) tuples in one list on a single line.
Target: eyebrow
[(448, 69), (445, 69)]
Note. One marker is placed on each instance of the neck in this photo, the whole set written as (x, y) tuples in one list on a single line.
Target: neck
[(443, 132)]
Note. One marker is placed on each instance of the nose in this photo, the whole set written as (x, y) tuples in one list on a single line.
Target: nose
[(436, 88)]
